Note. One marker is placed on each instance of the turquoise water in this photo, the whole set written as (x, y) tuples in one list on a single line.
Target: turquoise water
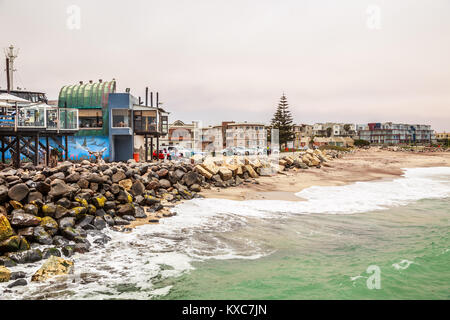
[(326, 257), (319, 248)]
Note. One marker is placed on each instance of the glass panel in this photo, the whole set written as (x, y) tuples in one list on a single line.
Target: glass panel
[(90, 118), (32, 117), (69, 119), (121, 118), (52, 119)]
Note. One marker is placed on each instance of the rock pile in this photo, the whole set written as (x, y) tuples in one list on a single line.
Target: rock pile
[(233, 171), (58, 207)]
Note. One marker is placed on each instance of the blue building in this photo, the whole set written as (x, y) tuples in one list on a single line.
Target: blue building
[(116, 124)]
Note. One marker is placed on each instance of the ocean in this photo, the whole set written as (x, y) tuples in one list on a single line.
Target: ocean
[(386, 239)]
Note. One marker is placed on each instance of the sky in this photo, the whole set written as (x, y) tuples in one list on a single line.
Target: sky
[(352, 61)]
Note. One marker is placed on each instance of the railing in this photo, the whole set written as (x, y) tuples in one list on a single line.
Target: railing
[(39, 117)]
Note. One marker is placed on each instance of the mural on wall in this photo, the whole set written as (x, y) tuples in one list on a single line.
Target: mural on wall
[(81, 148)]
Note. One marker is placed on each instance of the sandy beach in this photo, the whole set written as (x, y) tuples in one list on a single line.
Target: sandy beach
[(362, 165)]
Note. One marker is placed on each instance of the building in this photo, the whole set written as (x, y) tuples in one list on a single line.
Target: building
[(395, 133), (302, 131), (331, 129), (181, 135), (246, 135), (115, 124), (443, 136)]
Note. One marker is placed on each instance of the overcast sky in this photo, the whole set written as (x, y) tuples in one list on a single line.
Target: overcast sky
[(215, 60)]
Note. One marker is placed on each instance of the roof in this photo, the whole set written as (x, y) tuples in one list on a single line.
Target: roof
[(6, 97), (87, 95)]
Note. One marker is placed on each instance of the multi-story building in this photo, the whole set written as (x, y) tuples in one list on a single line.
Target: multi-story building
[(181, 135), (395, 133), (443, 136), (246, 135), (331, 129), (302, 131)]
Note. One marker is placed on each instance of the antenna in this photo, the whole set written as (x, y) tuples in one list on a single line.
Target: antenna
[(11, 54)]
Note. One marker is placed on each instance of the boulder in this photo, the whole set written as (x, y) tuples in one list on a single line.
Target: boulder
[(18, 192), (28, 256), (118, 176), (19, 282), (41, 236), (99, 201), (191, 178), (54, 266), (5, 274), (23, 220), (48, 252), (203, 171), (126, 184), (13, 244), (225, 173), (162, 173), (126, 209), (50, 225), (250, 171), (164, 183), (137, 188), (49, 209), (6, 230), (60, 188), (99, 223), (7, 262), (195, 187)]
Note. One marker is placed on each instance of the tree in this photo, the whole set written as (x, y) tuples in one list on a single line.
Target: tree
[(282, 120), (329, 132)]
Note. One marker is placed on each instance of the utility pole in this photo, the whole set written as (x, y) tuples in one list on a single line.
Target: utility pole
[(11, 55)]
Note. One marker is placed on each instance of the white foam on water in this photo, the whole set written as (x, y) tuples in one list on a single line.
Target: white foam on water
[(137, 265), (402, 265)]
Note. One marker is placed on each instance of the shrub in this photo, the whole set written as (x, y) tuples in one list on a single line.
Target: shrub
[(361, 143)]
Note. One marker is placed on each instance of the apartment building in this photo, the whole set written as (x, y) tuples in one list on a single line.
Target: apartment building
[(181, 135), (331, 129), (395, 133), (246, 135), (301, 132), (443, 136)]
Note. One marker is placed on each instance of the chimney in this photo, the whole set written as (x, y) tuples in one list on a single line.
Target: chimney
[(151, 99), (157, 99), (146, 96)]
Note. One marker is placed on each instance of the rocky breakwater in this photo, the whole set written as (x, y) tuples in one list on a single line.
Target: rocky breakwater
[(233, 171), (49, 212)]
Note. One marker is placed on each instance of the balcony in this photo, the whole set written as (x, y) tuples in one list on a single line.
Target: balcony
[(39, 117)]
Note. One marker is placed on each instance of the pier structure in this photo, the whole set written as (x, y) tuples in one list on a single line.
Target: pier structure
[(30, 132)]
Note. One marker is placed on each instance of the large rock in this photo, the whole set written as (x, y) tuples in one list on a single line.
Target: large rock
[(50, 225), (60, 188), (41, 236), (6, 230), (251, 171), (13, 244), (126, 184), (137, 188), (54, 266), (18, 192), (3, 194), (5, 274), (164, 183), (225, 173), (203, 171), (23, 220), (126, 209), (191, 178), (118, 176)]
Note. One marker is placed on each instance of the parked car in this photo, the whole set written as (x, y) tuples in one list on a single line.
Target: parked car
[(227, 151)]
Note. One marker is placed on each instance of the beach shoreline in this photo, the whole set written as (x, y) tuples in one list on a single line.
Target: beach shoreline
[(359, 166)]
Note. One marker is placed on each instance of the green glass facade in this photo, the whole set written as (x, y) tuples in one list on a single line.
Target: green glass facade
[(88, 96)]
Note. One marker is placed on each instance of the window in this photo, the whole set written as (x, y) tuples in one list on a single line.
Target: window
[(90, 118), (121, 118)]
